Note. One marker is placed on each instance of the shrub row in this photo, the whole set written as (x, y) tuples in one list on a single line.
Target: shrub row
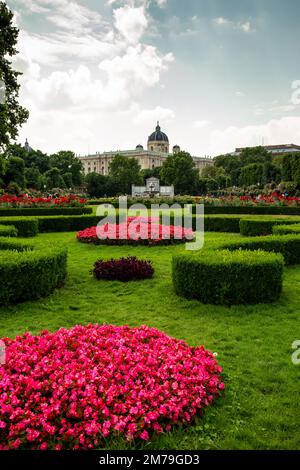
[(8, 231), (287, 245), (26, 227), (286, 229), (262, 227), (209, 209), (228, 277), (28, 272), (35, 211)]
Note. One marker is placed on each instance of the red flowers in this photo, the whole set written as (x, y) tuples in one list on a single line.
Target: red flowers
[(71, 389), (26, 201), (137, 230)]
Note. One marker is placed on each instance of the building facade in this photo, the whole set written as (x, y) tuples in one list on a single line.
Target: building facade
[(158, 149), (275, 149)]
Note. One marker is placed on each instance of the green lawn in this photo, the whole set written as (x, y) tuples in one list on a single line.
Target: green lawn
[(260, 409)]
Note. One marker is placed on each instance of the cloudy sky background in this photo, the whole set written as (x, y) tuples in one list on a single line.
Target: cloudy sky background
[(218, 74)]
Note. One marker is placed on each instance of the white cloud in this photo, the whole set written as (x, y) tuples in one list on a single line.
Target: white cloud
[(244, 26), (131, 23), (201, 124), (150, 116), (277, 131)]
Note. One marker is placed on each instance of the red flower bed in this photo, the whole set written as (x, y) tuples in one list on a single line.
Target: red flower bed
[(25, 201), (123, 269), (137, 230), (72, 388)]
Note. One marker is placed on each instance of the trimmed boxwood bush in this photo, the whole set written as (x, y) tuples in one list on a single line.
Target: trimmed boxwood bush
[(35, 211), (286, 229), (28, 272), (287, 245), (26, 227), (8, 231), (123, 269), (261, 227), (228, 277)]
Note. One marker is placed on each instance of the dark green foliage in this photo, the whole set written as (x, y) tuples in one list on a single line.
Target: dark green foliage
[(29, 273), (34, 211), (125, 172), (287, 245), (12, 115), (253, 210), (66, 223), (15, 172), (26, 227), (228, 278), (261, 227), (8, 231), (179, 170), (286, 229)]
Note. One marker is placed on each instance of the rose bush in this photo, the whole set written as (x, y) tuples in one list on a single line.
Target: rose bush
[(136, 230), (73, 388)]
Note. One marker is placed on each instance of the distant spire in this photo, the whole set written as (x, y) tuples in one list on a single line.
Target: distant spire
[(158, 126)]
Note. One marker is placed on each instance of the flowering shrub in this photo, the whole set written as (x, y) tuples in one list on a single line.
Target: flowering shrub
[(137, 230), (8, 200), (124, 269), (71, 389), (275, 199)]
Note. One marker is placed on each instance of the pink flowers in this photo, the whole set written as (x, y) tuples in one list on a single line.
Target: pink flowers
[(137, 230), (73, 388)]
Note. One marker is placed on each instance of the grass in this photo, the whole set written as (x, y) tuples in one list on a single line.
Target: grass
[(259, 409)]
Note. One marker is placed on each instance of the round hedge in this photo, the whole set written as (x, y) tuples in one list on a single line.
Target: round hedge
[(286, 229), (229, 277), (28, 272)]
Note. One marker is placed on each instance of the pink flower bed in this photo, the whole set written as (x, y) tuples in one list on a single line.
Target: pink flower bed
[(72, 388), (137, 230)]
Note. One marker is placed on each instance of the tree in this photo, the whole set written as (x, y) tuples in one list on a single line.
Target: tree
[(68, 179), (125, 172), (154, 173), (66, 162), (33, 178), (179, 170), (12, 115), (212, 171), (54, 179), (271, 173), (15, 172), (252, 175)]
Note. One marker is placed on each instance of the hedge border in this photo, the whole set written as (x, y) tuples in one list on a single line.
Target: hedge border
[(26, 226), (286, 229), (36, 211), (261, 227), (29, 272), (8, 231), (224, 277)]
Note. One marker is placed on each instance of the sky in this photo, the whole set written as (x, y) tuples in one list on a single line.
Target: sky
[(217, 74)]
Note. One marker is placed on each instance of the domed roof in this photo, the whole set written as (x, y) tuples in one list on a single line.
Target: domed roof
[(158, 135)]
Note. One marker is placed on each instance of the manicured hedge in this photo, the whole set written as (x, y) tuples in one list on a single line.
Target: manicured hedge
[(228, 277), (67, 223), (26, 227), (28, 272), (209, 209), (35, 211), (262, 227), (8, 231), (287, 245), (286, 229)]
